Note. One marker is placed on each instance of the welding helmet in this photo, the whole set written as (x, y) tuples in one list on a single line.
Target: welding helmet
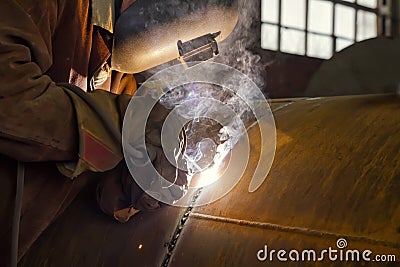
[(152, 32)]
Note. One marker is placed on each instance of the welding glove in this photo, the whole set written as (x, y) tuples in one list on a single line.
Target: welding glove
[(119, 195), (153, 142)]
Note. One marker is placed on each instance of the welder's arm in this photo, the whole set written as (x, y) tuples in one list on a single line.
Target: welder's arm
[(40, 121)]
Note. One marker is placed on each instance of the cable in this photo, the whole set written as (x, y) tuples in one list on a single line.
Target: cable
[(17, 214)]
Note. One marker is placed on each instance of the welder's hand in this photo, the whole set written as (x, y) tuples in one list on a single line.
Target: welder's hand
[(119, 195), (154, 147), (159, 160)]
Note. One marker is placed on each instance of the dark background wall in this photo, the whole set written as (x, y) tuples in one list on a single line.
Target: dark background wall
[(287, 75)]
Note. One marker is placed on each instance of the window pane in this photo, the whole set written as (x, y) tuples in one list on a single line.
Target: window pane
[(345, 21), (269, 37), (367, 25), (368, 3), (319, 46), (320, 16), (292, 41), (342, 44), (269, 11), (294, 13)]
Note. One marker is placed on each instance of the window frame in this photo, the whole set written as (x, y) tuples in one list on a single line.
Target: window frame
[(382, 23)]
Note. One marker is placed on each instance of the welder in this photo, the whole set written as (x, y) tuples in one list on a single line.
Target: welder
[(57, 130)]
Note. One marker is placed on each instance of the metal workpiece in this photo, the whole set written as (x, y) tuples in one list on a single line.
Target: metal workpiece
[(212, 243), (147, 33), (335, 176), (83, 236)]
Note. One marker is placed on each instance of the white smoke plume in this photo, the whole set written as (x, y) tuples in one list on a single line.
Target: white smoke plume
[(237, 49)]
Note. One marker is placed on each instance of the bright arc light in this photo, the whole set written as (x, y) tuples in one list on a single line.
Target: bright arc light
[(215, 171), (209, 176)]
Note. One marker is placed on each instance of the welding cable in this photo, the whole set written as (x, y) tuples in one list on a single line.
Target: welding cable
[(108, 123), (17, 214)]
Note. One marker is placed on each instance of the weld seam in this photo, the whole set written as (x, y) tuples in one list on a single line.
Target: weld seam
[(294, 229), (178, 230)]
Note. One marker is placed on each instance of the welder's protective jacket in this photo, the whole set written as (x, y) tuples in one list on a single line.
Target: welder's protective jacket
[(43, 43)]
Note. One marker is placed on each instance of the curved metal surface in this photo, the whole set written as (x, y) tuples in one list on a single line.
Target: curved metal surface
[(366, 67), (83, 236), (336, 174), (146, 34)]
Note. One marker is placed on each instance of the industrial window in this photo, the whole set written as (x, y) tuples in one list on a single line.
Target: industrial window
[(319, 28)]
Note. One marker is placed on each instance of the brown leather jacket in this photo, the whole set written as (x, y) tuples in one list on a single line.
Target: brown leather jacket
[(43, 43)]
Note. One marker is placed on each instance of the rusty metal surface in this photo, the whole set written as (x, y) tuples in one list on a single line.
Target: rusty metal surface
[(213, 243), (336, 174)]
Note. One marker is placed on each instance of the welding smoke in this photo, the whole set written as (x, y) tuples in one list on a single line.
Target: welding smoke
[(237, 50)]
